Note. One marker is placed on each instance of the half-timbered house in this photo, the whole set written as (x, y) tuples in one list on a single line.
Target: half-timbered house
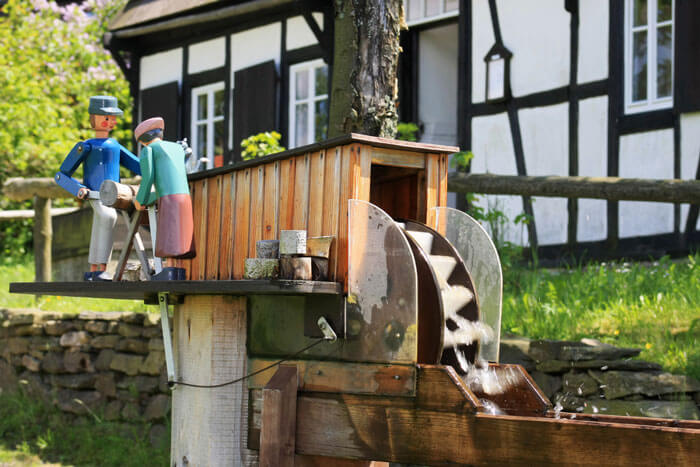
[(537, 87)]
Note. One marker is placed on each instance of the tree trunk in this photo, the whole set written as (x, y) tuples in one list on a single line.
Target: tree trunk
[(366, 53)]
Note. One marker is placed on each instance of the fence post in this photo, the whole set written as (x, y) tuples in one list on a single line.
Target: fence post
[(43, 232)]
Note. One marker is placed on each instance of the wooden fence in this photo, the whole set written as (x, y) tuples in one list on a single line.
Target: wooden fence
[(42, 190)]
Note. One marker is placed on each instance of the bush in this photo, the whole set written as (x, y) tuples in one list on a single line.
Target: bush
[(407, 131), (260, 145)]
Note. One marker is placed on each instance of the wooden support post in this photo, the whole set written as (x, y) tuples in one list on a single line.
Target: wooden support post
[(42, 239), (279, 416), (209, 425)]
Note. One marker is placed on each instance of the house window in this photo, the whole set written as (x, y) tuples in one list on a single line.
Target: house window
[(422, 11), (648, 55), (208, 129), (308, 103)]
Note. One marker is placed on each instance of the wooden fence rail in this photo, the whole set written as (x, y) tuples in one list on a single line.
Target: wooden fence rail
[(609, 188), (42, 191)]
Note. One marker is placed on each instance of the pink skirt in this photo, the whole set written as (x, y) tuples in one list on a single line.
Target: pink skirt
[(175, 236)]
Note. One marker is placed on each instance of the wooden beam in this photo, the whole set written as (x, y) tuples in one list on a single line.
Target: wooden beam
[(445, 424), (29, 213), (209, 424), (22, 189), (277, 430), (610, 188), (43, 233), (144, 290)]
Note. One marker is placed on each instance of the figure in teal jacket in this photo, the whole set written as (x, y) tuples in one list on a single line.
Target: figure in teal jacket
[(163, 167)]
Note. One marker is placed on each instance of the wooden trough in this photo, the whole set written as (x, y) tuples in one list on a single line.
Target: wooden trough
[(378, 392)]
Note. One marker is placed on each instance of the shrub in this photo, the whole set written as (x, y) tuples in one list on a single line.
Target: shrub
[(260, 145)]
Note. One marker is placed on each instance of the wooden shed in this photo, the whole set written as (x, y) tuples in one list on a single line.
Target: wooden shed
[(307, 189)]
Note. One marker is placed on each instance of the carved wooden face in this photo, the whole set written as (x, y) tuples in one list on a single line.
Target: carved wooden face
[(103, 122)]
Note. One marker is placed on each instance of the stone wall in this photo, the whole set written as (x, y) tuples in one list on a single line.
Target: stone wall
[(109, 364), (113, 365), (591, 377)]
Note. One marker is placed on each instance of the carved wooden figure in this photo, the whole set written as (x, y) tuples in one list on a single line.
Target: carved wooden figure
[(163, 167), (101, 157)]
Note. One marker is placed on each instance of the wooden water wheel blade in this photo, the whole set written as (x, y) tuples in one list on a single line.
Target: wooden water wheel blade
[(449, 275)]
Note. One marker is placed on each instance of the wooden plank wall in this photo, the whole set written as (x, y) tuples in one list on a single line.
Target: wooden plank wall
[(234, 210)]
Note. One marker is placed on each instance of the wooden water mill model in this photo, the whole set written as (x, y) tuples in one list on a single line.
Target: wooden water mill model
[(393, 358)]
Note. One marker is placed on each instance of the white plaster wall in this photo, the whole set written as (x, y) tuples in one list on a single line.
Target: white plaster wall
[(545, 134), (160, 68), (646, 155), (206, 55), (690, 149), (492, 146), (298, 32), (437, 88), (482, 40), (255, 46), (592, 162), (537, 32), (593, 40)]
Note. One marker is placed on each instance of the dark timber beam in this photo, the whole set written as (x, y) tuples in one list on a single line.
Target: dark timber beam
[(609, 188)]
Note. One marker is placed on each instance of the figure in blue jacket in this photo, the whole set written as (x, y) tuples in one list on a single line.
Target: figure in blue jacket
[(101, 157)]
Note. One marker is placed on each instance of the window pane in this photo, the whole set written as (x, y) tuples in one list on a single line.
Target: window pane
[(432, 7), (219, 138), (664, 61), (664, 11), (219, 103), (301, 124), (302, 84), (639, 66), (451, 5), (321, 120), (640, 12), (201, 107), (321, 80), (201, 141), (414, 9)]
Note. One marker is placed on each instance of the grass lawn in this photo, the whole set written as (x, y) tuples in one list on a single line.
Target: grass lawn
[(652, 306), (32, 433), (24, 272)]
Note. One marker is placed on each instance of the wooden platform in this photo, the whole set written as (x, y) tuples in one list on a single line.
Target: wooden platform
[(147, 290)]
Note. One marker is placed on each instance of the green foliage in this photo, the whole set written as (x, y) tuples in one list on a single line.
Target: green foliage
[(51, 62), (652, 306), (407, 131), (36, 429), (260, 145), (460, 160)]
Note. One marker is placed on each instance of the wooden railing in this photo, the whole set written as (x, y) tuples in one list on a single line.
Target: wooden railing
[(41, 191), (608, 188)]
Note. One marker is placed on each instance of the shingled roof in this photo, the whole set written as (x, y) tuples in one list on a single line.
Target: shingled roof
[(140, 12)]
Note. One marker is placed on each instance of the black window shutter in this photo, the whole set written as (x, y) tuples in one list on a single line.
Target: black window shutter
[(162, 101), (254, 102), (687, 45)]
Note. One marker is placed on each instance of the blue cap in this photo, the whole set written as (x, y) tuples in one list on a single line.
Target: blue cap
[(104, 105)]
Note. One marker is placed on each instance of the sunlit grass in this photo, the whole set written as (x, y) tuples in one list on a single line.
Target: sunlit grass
[(23, 271), (652, 306)]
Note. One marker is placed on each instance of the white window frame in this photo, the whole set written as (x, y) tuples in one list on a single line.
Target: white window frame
[(651, 102), (310, 100), (209, 120), (422, 18)]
